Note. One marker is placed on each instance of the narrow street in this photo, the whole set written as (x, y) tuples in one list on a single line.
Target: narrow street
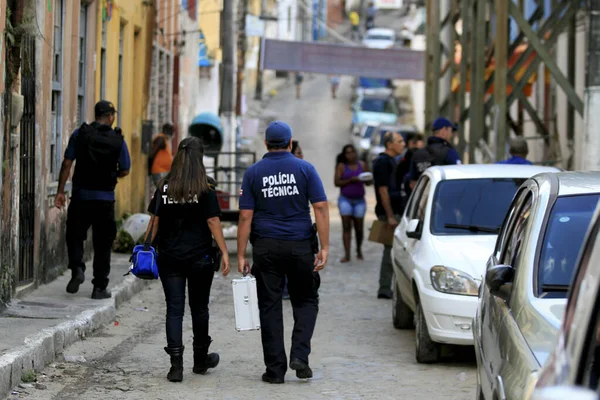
[(356, 352)]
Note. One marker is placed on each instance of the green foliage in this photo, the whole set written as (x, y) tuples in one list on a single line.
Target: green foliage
[(29, 376), (123, 243)]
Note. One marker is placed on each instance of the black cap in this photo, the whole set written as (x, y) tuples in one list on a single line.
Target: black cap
[(104, 107)]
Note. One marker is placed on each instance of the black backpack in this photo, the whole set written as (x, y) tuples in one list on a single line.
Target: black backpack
[(432, 155), (97, 148)]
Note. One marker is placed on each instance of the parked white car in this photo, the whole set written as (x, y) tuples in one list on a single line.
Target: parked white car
[(380, 38), (440, 248), (362, 138)]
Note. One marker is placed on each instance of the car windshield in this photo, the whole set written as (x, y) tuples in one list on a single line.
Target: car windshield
[(368, 132), (375, 105), (379, 37), (472, 206), (567, 225)]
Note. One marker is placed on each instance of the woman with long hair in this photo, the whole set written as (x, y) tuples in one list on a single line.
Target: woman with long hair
[(351, 202), (297, 150), (186, 221)]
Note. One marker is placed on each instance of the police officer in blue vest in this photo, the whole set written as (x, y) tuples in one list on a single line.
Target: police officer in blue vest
[(275, 217)]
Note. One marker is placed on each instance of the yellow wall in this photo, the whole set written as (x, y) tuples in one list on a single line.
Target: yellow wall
[(209, 20), (134, 16)]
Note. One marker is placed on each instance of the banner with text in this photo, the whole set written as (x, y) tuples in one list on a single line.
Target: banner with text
[(340, 59)]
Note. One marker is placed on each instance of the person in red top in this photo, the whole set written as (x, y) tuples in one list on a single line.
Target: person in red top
[(161, 157)]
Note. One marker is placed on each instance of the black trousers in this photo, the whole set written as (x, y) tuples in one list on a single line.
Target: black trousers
[(100, 215), (274, 260), (199, 275)]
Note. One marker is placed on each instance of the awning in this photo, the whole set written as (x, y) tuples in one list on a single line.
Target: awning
[(208, 127)]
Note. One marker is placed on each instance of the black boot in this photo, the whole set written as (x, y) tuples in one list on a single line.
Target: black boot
[(203, 360), (176, 372)]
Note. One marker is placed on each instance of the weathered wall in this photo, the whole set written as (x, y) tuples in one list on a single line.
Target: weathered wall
[(133, 16), (50, 249)]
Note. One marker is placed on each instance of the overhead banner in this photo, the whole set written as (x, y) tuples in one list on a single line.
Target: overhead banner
[(340, 59)]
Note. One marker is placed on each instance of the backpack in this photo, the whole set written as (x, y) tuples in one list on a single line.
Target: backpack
[(98, 148), (144, 259), (432, 155)]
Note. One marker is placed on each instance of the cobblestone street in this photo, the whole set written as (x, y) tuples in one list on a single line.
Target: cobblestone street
[(356, 352)]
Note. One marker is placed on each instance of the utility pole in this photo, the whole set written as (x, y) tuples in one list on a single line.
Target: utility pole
[(591, 140), (242, 46), (226, 108)]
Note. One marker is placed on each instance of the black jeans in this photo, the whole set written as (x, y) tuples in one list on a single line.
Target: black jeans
[(199, 275), (274, 260), (100, 215)]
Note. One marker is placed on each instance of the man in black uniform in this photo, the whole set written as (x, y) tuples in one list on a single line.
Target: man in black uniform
[(101, 156), (275, 216), (438, 151)]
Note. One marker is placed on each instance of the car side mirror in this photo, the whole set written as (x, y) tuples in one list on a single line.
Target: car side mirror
[(564, 392), (414, 230), (496, 279), (357, 134)]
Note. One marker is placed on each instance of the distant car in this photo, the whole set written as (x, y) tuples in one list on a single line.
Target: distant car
[(447, 232), (376, 145), (380, 38), (374, 107), (574, 363), (522, 299), (412, 26), (362, 139)]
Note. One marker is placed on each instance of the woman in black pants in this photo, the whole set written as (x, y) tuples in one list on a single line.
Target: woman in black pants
[(185, 223)]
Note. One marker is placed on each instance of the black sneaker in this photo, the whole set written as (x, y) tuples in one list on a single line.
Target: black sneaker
[(302, 369), (272, 379), (77, 279), (100, 294), (385, 295)]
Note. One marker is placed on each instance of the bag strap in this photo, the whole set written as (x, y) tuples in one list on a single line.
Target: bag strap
[(148, 239)]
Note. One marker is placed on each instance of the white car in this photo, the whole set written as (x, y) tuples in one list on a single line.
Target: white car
[(362, 138), (441, 245), (380, 38)]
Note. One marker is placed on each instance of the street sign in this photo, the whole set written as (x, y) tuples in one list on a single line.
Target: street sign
[(341, 59)]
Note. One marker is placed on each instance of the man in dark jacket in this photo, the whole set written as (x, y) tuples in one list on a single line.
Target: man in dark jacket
[(438, 150), (102, 157)]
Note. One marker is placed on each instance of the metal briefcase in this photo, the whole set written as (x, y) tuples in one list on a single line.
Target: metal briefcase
[(245, 302)]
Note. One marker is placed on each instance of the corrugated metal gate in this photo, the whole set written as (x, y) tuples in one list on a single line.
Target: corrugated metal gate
[(27, 158)]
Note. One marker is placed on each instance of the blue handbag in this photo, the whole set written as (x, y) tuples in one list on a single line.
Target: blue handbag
[(144, 264)]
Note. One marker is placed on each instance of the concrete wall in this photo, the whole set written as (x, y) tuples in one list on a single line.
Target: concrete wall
[(133, 16), (50, 250)]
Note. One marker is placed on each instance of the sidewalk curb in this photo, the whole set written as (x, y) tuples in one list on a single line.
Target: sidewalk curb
[(43, 348)]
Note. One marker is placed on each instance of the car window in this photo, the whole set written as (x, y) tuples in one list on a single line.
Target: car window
[(416, 197), (514, 244), (472, 206), (373, 105), (423, 202), (379, 37), (368, 132), (508, 223), (565, 231)]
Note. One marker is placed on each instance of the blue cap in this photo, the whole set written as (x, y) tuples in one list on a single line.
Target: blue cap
[(443, 123), (278, 133)]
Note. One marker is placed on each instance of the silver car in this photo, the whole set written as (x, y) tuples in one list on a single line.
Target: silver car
[(573, 370), (523, 295)]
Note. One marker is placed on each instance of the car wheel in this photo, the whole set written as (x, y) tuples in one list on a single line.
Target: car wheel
[(427, 351), (402, 315)]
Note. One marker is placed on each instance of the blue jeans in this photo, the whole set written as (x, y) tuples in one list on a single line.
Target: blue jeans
[(356, 208)]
